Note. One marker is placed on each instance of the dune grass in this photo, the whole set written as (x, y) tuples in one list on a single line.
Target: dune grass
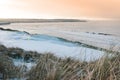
[(50, 67)]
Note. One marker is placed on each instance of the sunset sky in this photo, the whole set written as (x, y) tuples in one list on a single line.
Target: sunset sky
[(60, 9)]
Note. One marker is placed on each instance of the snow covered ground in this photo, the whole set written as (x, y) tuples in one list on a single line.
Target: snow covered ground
[(77, 31), (98, 34), (21, 62), (44, 43), (103, 34)]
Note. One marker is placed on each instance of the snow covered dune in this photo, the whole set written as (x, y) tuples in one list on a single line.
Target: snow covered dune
[(102, 34), (44, 43)]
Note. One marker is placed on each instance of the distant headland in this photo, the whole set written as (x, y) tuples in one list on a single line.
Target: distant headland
[(8, 21)]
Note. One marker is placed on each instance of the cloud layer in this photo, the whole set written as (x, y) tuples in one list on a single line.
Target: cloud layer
[(61, 8)]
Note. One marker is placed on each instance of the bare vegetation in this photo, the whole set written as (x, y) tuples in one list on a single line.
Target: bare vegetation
[(50, 67), (7, 68)]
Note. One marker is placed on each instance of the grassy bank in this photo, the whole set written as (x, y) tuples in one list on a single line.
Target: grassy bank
[(50, 67)]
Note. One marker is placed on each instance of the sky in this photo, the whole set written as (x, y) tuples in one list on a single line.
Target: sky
[(94, 9)]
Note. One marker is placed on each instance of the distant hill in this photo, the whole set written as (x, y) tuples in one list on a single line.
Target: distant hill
[(4, 23), (38, 20)]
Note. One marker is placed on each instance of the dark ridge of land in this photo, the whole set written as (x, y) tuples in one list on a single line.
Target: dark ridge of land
[(98, 33), (4, 23), (39, 20), (13, 30)]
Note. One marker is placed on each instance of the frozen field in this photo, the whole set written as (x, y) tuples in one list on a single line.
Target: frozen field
[(103, 34), (43, 44)]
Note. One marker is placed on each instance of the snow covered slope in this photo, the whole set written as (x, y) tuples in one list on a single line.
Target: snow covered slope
[(44, 43)]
